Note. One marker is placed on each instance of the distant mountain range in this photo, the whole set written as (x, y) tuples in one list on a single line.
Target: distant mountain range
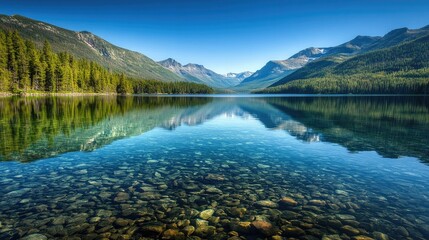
[(275, 73), (374, 56), (87, 45), (396, 63), (199, 74)]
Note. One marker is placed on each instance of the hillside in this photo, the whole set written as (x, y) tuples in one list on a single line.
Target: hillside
[(88, 46), (271, 73), (274, 71), (25, 69), (400, 69), (327, 55), (199, 74)]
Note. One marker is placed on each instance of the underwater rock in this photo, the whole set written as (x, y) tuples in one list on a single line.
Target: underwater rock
[(120, 222), (152, 229), (350, 230), (264, 227), (213, 190), (287, 201), (188, 230), (215, 177), (205, 231), (362, 238), (237, 212), (35, 236), (173, 234), (402, 231), (241, 227), (206, 214), (122, 197), (266, 203), (317, 202), (200, 223), (291, 231), (380, 236)]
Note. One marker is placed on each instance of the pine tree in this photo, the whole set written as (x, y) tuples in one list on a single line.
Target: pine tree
[(49, 66), (4, 73), (12, 64), (21, 59), (35, 67)]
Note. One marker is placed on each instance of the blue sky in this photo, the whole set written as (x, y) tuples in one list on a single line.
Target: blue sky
[(225, 35)]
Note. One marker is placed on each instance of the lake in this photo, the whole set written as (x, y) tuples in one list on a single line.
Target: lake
[(218, 167)]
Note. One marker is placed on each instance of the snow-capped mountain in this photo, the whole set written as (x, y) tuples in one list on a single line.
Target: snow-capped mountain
[(199, 74), (241, 76)]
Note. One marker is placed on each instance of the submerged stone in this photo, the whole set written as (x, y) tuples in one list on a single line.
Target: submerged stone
[(35, 236), (266, 203), (237, 212), (264, 227), (380, 236), (291, 231), (122, 197), (241, 227), (287, 201), (151, 229), (350, 230), (206, 214), (215, 177), (173, 234), (188, 230), (362, 238), (205, 231), (318, 202)]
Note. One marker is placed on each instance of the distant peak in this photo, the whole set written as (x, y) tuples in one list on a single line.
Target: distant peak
[(397, 32), (170, 62), (425, 27), (85, 32), (194, 65)]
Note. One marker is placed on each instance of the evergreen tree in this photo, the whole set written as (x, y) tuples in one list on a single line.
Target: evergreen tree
[(23, 67)]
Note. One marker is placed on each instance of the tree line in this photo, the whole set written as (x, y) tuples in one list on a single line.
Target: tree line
[(27, 69), (403, 69), (408, 82)]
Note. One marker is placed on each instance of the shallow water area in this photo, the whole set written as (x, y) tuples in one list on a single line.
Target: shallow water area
[(312, 167)]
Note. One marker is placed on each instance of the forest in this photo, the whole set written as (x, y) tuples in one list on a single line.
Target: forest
[(402, 69), (26, 69)]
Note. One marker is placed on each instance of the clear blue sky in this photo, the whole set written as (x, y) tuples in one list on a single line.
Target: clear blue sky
[(225, 35)]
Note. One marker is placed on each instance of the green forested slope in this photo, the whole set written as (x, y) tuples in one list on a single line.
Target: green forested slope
[(399, 69), (24, 68), (88, 46)]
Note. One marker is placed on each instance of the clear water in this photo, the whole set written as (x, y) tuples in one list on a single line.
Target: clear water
[(149, 167)]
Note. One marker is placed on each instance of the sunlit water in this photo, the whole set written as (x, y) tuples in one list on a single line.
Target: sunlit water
[(155, 167)]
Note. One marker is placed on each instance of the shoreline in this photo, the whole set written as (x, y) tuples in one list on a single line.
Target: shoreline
[(41, 94)]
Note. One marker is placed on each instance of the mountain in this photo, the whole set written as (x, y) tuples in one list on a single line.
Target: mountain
[(273, 71), (403, 68), (89, 46), (199, 74), (398, 36), (240, 76)]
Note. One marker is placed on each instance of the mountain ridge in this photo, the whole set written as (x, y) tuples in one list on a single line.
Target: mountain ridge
[(391, 39), (274, 75), (400, 69), (199, 74), (84, 44)]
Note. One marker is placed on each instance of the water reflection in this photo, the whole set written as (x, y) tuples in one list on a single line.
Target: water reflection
[(214, 168), (35, 128)]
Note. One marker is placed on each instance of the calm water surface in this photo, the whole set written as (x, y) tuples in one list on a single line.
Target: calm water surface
[(214, 168)]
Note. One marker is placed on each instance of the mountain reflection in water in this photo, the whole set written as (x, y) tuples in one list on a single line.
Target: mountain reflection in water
[(36, 128)]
